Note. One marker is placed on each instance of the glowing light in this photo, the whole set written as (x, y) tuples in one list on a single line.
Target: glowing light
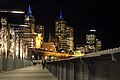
[(18, 12), (78, 53), (92, 30), (61, 14), (24, 25), (8, 11), (33, 56), (39, 41)]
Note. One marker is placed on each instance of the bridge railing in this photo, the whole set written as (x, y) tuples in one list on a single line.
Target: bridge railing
[(102, 66), (8, 64)]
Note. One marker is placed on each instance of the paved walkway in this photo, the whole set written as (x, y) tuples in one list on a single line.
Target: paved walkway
[(28, 73)]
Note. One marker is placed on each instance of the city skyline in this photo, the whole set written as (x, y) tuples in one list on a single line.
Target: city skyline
[(81, 15)]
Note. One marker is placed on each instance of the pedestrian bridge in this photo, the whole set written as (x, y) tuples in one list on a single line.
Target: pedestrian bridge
[(28, 73), (102, 65)]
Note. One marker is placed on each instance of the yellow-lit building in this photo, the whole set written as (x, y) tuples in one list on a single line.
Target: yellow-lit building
[(48, 46), (39, 40), (40, 35)]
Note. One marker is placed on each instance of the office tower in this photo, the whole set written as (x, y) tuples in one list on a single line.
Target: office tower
[(29, 19), (25, 35), (64, 34), (93, 44), (29, 32), (70, 38), (90, 40)]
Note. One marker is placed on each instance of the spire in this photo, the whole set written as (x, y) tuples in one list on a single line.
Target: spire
[(29, 18), (61, 13), (29, 11)]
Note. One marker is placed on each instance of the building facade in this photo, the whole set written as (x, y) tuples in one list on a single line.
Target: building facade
[(17, 40), (29, 19), (92, 43), (64, 34)]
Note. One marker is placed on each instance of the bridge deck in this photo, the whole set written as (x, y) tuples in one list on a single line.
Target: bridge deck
[(28, 73)]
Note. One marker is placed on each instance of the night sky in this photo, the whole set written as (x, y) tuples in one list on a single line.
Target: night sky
[(82, 15)]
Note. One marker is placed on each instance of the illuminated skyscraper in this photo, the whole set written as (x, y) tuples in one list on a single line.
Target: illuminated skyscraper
[(64, 35), (93, 44), (90, 40), (90, 37), (70, 38), (29, 19)]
